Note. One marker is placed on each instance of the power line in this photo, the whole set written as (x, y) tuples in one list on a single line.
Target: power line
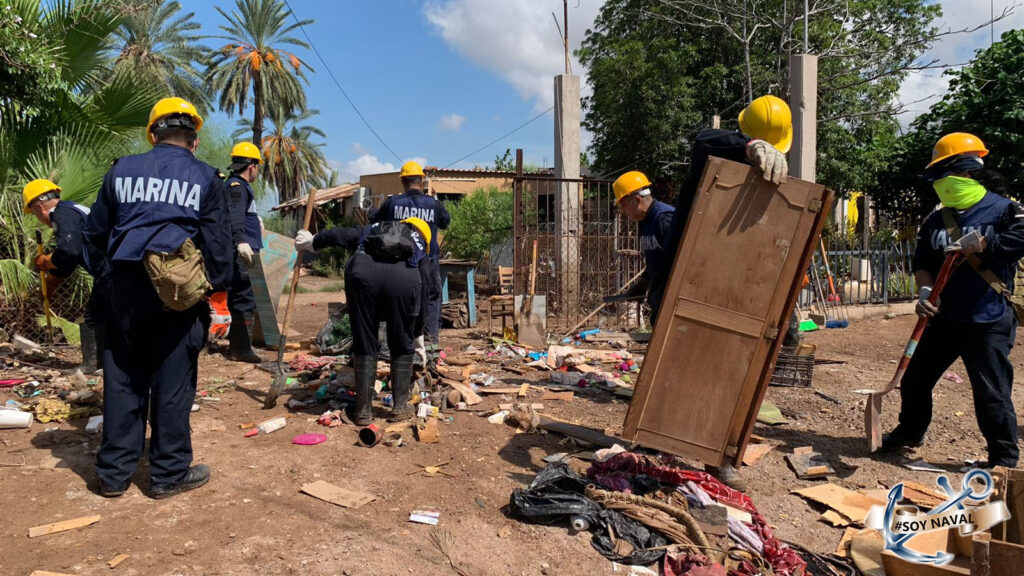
[(499, 138), (338, 84)]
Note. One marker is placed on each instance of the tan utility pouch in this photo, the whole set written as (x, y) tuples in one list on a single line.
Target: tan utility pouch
[(1015, 298), (179, 277)]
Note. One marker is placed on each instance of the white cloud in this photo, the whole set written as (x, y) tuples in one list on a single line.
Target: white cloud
[(365, 164), (452, 122), (417, 159), (922, 89), (514, 39), (358, 149)]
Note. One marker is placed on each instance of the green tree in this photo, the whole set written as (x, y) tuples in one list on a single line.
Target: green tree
[(255, 58), (480, 220), (985, 98), (162, 48), (660, 69), (505, 162), (291, 159)]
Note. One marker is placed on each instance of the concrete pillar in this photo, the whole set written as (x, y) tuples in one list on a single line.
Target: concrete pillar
[(569, 195), (803, 101)]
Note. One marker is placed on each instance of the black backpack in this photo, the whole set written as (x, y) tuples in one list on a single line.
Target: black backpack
[(389, 242)]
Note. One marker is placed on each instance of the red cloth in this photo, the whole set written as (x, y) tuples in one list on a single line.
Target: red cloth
[(615, 471), (303, 362)]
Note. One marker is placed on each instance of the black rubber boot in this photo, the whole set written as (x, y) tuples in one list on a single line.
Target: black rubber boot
[(197, 476), (361, 413), (239, 342), (401, 387), (88, 339)]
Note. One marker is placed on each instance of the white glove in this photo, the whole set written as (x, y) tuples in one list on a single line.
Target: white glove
[(973, 243), (304, 241), (421, 349), (769, 161), (924, 308), (245, 251)]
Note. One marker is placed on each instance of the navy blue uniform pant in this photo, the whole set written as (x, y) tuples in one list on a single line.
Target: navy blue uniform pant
[(382, 292), (432, 290), (150, 370), (241, 298), (985, 350)]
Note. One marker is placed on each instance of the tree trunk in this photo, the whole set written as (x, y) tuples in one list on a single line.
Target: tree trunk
[(257, 109)]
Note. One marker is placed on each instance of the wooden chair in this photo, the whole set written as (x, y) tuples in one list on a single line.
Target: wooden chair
[(502, 305)]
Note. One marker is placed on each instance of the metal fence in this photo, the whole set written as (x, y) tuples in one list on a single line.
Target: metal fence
[(23, 314), (580, 259), (877, 275)]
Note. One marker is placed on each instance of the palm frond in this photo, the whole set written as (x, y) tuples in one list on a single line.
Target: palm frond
[(17, 281), (72, 333)]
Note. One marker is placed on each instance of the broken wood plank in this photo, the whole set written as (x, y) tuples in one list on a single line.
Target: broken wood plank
[(428, 432), (505, 390), (524, 389), (552, 395), (808, 464), (337, 495), (579, 432), (585, 368), (755, 452), (919, 494), (843, 548), (48, 573), (63, 525), (835, 518), (468, 396), (117, 560), (853, 505)]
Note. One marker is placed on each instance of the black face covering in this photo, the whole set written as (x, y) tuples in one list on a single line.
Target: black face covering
[(953, 165)]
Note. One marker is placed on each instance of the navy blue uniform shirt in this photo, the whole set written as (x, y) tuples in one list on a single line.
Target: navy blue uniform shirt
[(68, 222), (153, 202), (245, 224), (655, 229), (967, 297), (354, 237), (416, 204)]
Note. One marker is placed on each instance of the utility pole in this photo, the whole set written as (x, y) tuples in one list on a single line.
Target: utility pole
[(569, 193), (565, 32)]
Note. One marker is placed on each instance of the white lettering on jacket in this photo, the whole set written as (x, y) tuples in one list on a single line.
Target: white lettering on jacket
[(168, 191), (403, 212), (940, 238)]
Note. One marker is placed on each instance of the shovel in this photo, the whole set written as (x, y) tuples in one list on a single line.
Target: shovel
[(873, 409), (42, 284), (531, 325), (282, 377)]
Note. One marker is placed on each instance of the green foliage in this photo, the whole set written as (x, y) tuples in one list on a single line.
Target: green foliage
[(255, 58), (28, 67), (985, 98), (162, 49), (480, 220), (505, 162), (660, 70), (292, 160)]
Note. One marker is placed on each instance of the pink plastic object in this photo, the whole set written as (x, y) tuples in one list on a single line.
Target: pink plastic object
[(309, 439)]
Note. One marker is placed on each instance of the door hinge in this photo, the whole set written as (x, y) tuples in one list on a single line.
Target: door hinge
[(814, 205), (771, 333), (732, 451)]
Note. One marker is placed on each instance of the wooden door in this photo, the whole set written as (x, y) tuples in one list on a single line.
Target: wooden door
[(733, 286)]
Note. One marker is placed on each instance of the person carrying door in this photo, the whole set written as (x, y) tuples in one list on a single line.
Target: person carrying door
[(161, 221), (42, 199), (382, 283)]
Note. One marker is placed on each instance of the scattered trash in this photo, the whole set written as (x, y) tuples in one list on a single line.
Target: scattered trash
[(605, 453), (921, 465), (556, 457), (809, 464), (432, 470), (579, 523), (94, 424), (195, 407), (116, 560), (755, 452), (62, 526), (831, 399), (14, 418), (309, 439), (770, 414), (427, 432), (952, 377), (853, 506), (498, 417), (336, 495), (425, 516), (370, 435)]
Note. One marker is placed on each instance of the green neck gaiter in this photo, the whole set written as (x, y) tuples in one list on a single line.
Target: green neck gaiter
[(959, 193)]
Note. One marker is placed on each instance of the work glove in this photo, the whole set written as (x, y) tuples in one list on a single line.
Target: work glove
[(768, 160), (220, 316), (304, 241), (44, 262), (421, 349), (924, 308), (973, 243), (245, 251)]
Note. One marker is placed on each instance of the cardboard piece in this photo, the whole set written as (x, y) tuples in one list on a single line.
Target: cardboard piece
[(62, 526), (755, 452), (853, 505), (552, 395), (835, 518), (336, 495), (428, 432), (684, 404), (866, 552), (843, 548)]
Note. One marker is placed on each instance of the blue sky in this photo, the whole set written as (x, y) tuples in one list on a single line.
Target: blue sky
[(439, 78)]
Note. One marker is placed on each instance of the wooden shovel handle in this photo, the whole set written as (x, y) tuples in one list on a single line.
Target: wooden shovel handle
[(948, 266), (533, 270), (298, 265)]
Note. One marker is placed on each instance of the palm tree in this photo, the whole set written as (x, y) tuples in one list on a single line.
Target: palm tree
[(291, 159), (256, 31), (162, 48)]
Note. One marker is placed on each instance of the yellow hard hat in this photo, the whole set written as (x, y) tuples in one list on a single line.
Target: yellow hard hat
[(957, 143), (411, 168), (768, 118), (422, 227), (246, 150), (629, 183), (35, 189), (169, 106)]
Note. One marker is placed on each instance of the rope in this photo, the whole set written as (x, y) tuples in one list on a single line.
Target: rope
[(604, 497)]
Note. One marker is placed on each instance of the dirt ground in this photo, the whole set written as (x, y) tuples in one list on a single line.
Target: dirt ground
[(252, 519)]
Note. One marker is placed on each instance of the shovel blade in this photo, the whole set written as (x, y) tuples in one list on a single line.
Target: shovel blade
[(873, 420), (530, 332), (276, 387)]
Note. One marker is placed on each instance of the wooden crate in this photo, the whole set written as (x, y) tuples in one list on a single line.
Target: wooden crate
[(727, 305)]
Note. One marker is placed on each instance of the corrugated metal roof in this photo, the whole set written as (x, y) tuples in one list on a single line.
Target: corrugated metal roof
[(322, 197)]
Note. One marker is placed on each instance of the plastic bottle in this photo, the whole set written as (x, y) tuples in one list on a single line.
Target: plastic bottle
[(272, 425), (579, 523)]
